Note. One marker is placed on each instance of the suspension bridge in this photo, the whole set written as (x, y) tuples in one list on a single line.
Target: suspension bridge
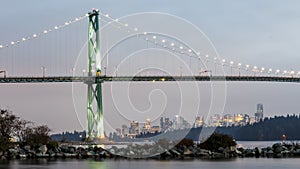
[(12, 69)]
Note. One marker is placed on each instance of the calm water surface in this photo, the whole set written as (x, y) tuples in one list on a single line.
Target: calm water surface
[(239, 163)]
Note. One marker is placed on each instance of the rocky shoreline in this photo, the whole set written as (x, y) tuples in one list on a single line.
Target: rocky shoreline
[(66, 151)]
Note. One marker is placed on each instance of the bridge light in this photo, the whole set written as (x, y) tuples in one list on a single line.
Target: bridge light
[(126, 24), (239, 64), (136, 29), (172, 44), (163, 41), (190, 50), (284, 72), (153, 81), (163, 79), (107, 15), (181, 47), (23, 39), (270, 70), (198, 53), (231, 62), (45, 31), (34, 35), (154, 37), (262, 69), (292, 72), (206, 56), (223, 62), (145, 33), (1, 46), (56, 27), (298, 73), (12, 42)]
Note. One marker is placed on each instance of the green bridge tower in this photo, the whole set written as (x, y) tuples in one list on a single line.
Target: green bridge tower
[(94, 88)]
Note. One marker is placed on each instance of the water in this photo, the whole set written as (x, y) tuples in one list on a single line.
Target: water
[(239, 163), (261, 144), (253, 144)]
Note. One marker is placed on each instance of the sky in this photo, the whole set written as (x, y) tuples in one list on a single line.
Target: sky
[(262, 33)]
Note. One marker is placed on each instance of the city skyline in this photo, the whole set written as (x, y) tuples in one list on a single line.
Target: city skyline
[(241, 31)]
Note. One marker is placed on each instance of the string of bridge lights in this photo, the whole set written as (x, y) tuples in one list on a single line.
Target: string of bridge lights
[(171, 46), (189, 52), (46, 31)]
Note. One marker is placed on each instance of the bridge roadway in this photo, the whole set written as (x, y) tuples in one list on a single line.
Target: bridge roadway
[(94, 79)]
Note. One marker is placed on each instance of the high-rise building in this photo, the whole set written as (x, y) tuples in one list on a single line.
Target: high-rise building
[(147, 126), (199, 122), (228, 120), (134, 127), (180, 123), (125, 130), (259, 113)]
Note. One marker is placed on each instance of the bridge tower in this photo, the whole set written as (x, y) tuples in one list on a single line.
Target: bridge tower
[(94, 88)]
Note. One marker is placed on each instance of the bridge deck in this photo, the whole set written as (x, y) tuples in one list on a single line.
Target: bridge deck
[(67, 79)]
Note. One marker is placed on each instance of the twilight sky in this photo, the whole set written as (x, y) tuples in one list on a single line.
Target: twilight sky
[(264, 33)]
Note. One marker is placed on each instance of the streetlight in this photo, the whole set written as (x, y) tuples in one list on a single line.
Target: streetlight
[(270, 71), (206, 58), (284, 72), (72, 71), (262, 69), (4, 73), (223, 62), (231, 65), (292, 73), (43, 70), (254, 70), (116, 71), (104, 70), (180, 70), (83, 72), (215, 62), (239, 67)]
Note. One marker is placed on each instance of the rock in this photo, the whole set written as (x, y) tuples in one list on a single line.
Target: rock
[(220, 149), (175, 152), (3, 157), (71, 149), (43, 149), (187, 152), (27, 147), (277, 148), (257, 152), (216, 155), (270, 154)]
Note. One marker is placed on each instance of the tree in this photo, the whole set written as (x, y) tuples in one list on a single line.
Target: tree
[(10, 125), (216, 140), (37, 135)]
